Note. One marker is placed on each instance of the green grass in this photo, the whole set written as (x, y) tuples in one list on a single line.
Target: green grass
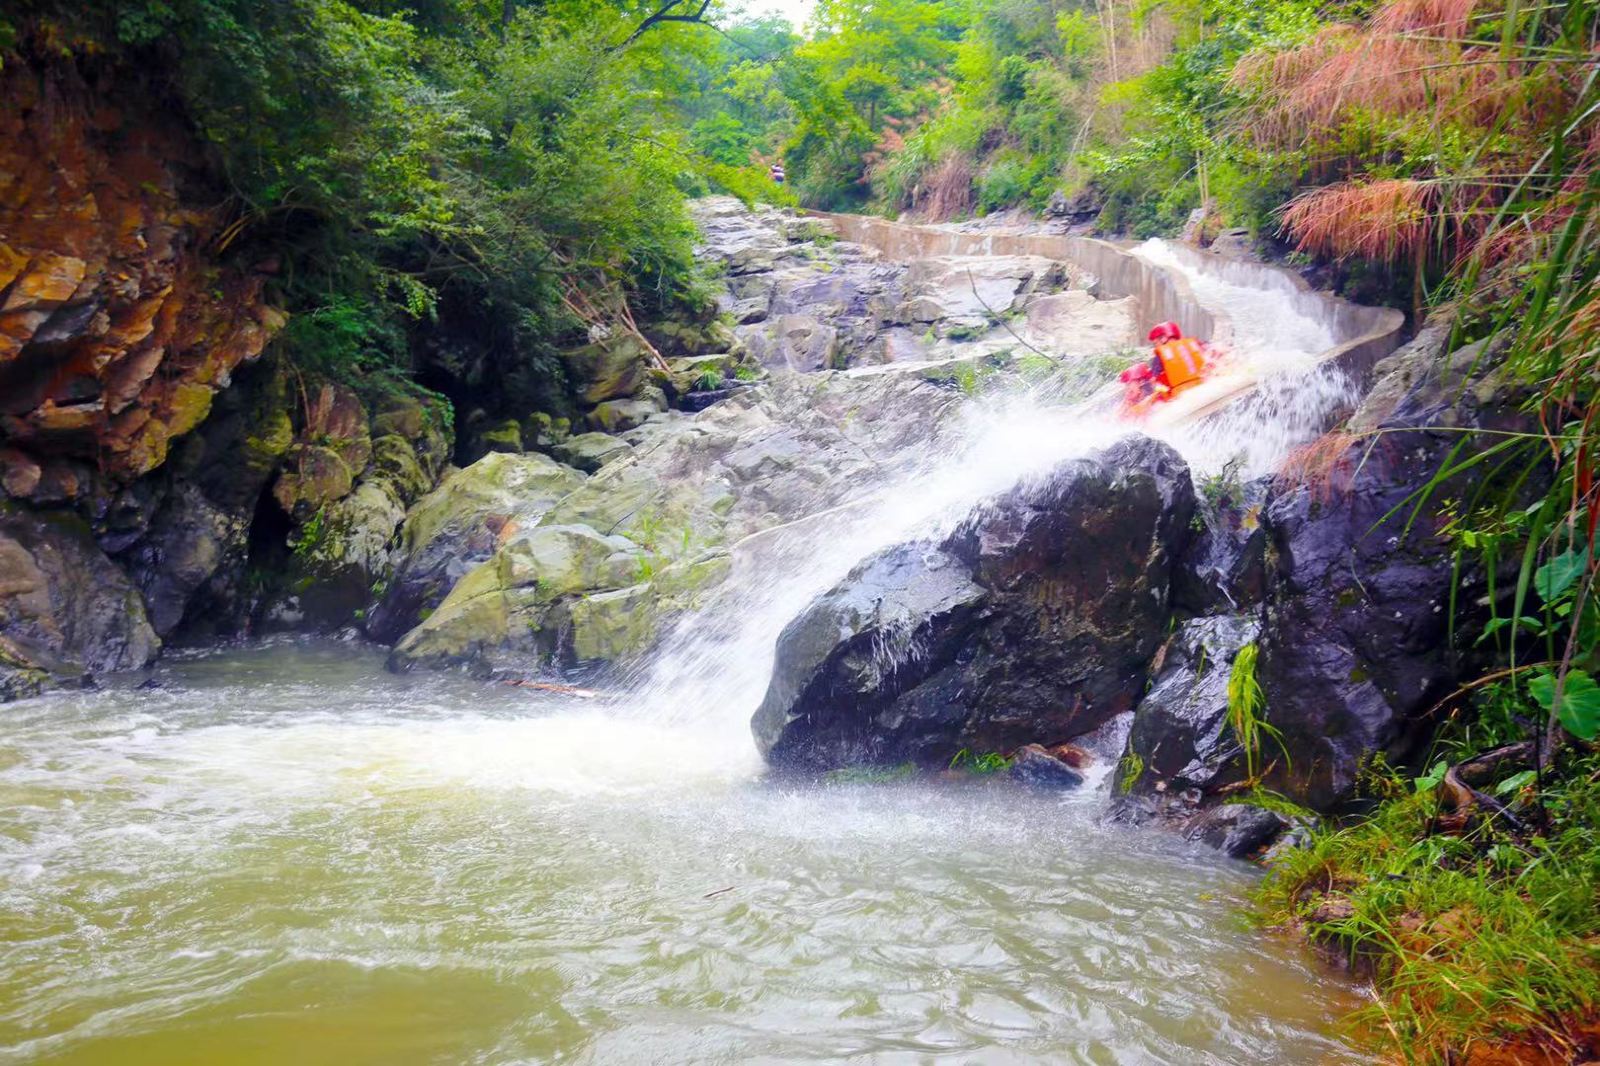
[(1472, 940), (1129, 770), (870, 775), (989, 762), (311, 536), (1247, 709), (1277, 803), (1225, 484)]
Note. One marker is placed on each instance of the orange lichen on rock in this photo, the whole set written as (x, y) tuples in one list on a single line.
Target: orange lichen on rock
[(117, 324)]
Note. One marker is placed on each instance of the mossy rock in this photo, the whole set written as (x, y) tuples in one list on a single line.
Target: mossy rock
[(503, 437), (336, 419), (341, 556), (554, 561), (503, 603), (706, 372), (471, 620), (188, 407), (608, 370), (312, 477), (425, 421), (20, 677), (559, 589), (619, 416), (395, 459), (620, 624), (544, 430), (590, 452), (499, 483), (272, 439)]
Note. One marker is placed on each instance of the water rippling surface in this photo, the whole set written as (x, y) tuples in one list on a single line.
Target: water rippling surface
[(284, 855)]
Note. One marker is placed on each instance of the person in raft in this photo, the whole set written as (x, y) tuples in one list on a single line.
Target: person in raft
[(1176, 363)]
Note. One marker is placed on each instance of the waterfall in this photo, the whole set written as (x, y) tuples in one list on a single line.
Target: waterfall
[(710, 673), (1279, 342)]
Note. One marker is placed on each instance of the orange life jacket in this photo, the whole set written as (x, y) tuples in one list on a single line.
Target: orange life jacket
[(1183, 361)]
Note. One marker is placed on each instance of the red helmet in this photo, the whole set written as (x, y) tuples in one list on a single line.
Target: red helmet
[(1166, 331), (1136, 372)]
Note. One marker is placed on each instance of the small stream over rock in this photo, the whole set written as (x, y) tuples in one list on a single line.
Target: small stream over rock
[(281, 850)]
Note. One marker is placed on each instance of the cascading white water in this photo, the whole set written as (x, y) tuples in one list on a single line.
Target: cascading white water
[(1279, 347), (711, 673)]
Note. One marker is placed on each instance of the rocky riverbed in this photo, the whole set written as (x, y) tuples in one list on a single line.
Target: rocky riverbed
[(1111, 584), (571, 540)]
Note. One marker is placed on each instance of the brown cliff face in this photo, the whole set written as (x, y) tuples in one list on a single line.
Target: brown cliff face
[(117, 322)]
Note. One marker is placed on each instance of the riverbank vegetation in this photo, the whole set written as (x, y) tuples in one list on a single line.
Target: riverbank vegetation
[(1465, 141), (453, 188)]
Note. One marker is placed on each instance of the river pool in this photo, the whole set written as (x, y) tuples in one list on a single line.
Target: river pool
[(285, 855)]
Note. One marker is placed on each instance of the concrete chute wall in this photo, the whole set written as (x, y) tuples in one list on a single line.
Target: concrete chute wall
[(1362, 334)]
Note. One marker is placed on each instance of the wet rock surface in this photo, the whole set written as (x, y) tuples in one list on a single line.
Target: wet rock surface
[(1351, 620), (1034, 767), (1180, 744), (1356, 644), (66, 610), (1033, 622), (1238, 830)]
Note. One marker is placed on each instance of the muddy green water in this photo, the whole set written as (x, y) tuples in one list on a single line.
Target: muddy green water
[(286, 856)]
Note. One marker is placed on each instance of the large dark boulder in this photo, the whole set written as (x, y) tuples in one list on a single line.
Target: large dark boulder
[(1357, 623), (1354, 619), (1238, 830), (1034, 621), (860, 674)]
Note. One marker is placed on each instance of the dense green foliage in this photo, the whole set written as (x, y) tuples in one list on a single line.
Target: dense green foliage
[(1476, 937), (959, 108), (440, 176)]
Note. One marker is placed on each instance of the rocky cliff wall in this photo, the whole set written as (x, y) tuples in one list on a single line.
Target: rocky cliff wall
[(163, 471), (120, 318)]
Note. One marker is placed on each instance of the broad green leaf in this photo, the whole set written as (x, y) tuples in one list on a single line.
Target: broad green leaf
[(1514, 783), (1556, 576), (1580, 702), (1497, 624), (1430, 780)]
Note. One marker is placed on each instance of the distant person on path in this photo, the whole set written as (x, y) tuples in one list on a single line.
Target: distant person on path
[(776, 173)]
